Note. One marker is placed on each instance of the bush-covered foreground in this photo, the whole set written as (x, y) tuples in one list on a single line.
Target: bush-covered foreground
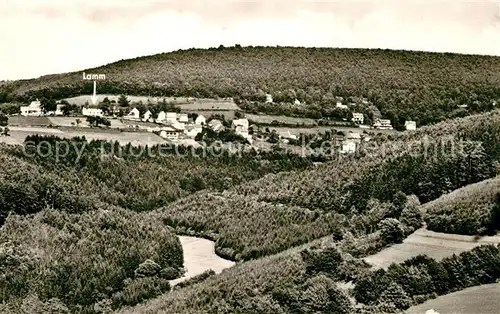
[(471, 210), (82, 261)]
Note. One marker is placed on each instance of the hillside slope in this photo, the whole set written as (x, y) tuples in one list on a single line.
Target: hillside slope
[(426, 87), (474, 209)]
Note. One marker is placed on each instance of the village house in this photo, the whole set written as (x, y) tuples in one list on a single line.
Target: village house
[(134, 114), (147, 116), (348, 147), (339, 105), (171, 117), (410, 125), (183, 118), (92, 112), (358, 118), (296, 102), (240, 127), (269, 98), (162, 116), (178, 125), (216, 125), (169, 133), (33, 110), (200, 120), (192, 130), (382, 124), (59, 111)]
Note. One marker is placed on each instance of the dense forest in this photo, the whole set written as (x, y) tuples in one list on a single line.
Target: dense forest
[(403, 85)]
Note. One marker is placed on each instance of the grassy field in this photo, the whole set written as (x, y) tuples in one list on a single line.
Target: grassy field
[(18, 134), (209, 104), (82, 99), (268, 119), (475, 300), (29, 121), (199, 256), (432, 244)]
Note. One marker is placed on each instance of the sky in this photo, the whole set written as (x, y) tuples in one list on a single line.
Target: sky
[(39, 37)]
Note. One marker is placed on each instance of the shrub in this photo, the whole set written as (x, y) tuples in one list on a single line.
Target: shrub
[(391, 231), (147, 269), (395, 295), (140, 289), (170, 273)]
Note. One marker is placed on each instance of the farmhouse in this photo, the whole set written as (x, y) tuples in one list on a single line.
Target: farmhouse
[(171, 117), (410, 125), (382, 124), (92, 112), (358, 118), (240, 127), (169, 133), (269, 99), (147, 116), (200, 120), (134, 114), (33, 110), (216, 125), (348, 147), (339, 105), (183, 118), (192, 130), (59, 111), (162, 116)]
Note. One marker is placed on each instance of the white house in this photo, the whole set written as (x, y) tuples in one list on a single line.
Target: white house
[(59, 111), (162, 116), (171, 117), (348, 147), (134, 114), (92, 112), (269, 98), (200, 120), (33, 110), (169, 133), (383, 124), (240, 126), (358, 118), (411, 125), (178, 125), (296, 102), (183, 118), (147, 116), (216, 125), (339, 105), (192, 130)]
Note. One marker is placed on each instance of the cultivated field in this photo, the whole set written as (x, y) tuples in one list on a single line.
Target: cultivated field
[(71, 121), (475, 300), (433, 244)]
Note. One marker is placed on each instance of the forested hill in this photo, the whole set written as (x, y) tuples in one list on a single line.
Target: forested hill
[(404, 85)]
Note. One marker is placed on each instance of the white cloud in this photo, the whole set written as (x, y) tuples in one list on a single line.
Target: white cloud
[(49, 36)]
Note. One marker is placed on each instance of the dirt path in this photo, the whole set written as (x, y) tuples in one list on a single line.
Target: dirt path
[(199, 256), (432, 244)]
